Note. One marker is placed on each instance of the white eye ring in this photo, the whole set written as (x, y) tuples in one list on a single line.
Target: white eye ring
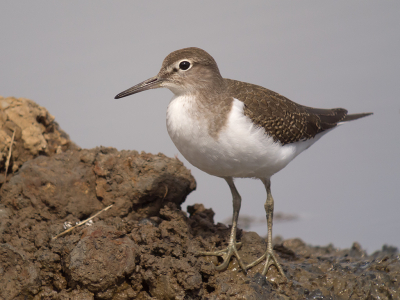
[(184, 65)]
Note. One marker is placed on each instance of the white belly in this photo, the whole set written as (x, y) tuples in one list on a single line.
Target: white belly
[(240, 149)]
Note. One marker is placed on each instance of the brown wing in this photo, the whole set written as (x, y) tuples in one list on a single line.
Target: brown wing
[(283, 119)]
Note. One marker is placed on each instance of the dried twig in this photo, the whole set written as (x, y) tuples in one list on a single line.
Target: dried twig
[(166, 191), (83, 222), (9, 155)]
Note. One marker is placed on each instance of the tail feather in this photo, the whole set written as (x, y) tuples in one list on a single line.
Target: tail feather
[(330, 118)]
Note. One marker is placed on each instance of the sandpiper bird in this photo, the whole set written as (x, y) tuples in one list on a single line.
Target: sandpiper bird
[(230, 129)]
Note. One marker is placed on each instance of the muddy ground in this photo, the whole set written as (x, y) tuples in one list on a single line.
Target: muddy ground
[(144, 246)]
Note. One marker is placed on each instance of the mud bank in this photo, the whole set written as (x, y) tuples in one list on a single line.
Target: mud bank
[(144, 246)]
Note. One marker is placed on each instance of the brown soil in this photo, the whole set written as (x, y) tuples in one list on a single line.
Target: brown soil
[(145, 246), (36, 133)]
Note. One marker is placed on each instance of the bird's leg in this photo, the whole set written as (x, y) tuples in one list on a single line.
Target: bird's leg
[(269, 256), (231, 250)]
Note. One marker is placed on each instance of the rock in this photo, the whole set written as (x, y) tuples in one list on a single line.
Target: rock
[(140, 184), (19, 277), (102, 257)]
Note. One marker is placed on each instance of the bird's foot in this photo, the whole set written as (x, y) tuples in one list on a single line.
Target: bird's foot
[(226, 255), (270, 259)]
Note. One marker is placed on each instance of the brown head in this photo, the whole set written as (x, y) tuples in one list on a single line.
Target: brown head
[(184, 71)]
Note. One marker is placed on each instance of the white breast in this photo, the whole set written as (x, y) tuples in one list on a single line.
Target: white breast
[(241, 149)]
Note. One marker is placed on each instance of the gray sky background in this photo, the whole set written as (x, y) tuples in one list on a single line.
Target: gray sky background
[(73, 57)]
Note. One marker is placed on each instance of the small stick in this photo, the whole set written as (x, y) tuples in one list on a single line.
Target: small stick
[(166, 191), (9, 155), (81, 223)]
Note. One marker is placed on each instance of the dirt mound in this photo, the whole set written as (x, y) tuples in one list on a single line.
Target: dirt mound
[(144, 246), (66, 188), (35, 133)]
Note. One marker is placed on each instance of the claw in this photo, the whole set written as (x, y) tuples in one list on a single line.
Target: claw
[(226, 255), (267, 256)]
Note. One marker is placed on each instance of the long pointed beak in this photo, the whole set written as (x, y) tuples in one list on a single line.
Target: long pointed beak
[(151, 83)]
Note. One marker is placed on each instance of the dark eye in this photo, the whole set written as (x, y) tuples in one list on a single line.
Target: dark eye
[(184, 65)]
